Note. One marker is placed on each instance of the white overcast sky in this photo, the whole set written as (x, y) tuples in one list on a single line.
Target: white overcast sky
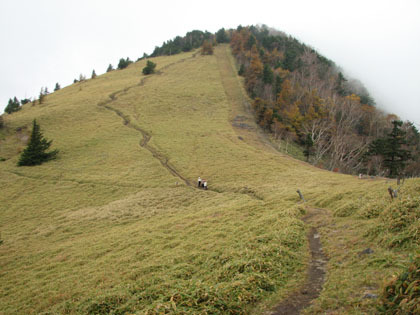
[(49, 41)]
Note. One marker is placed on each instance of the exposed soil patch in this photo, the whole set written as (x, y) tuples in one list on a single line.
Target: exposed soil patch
[(316, 272)]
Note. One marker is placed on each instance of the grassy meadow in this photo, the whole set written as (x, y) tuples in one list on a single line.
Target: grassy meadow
[(107, 228)]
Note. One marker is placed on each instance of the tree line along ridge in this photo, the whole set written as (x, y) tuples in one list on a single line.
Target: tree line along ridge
[(300, 97)]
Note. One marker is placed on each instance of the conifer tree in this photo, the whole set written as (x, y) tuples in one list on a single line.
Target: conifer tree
[(25, 101), (391, 149), (41, 96), (150, 68), (110, 68), (35, 152), (12, 106), (124, 63), (309, 147), (93, 74), (268, 76), (221, 36), (57, 87)]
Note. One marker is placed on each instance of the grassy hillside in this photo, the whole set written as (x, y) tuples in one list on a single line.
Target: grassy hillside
[(117, 225)]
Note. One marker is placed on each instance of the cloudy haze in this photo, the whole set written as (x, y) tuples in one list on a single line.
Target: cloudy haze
[(49, 41)]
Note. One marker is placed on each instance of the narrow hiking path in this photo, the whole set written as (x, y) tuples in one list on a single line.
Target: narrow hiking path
[(146, 136), (315, 271), (243, 122)]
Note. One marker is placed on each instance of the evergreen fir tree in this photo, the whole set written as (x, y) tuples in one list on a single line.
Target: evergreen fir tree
[(41, 96), (12, 106), (57, 87), (93, 74), (221, 36), (150, 68), (277, 85), (110, 68), (268, 76), (35, 152), (241, 71), (124, 63), (391, 149), (309, 147)]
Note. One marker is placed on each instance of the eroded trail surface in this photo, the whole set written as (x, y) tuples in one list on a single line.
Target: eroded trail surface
[(244, 124), (146, 136), (316, 271)]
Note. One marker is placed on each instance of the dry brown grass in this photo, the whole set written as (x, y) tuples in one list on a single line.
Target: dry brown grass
[(107, 228)]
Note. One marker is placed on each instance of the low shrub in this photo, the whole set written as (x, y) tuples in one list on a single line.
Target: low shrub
[(150, 68), (401, 294)]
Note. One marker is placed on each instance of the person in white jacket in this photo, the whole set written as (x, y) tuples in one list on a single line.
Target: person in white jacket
[(205, 185)]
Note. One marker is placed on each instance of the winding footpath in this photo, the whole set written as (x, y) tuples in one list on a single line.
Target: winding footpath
[(246, 128), (146, 136), (315, 272)]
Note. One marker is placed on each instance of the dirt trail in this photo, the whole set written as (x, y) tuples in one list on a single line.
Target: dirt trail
[(315, 273), (243, 122), (146, 136)]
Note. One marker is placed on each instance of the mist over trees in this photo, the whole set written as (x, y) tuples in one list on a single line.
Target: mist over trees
[(190, 41), (302, 97)]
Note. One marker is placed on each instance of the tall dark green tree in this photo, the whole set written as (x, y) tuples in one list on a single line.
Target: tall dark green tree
[(12, 106), (36, 151), (124, 63), (391, 148), (268, 76), (93, 74), (41, 96), (110, 68), (57, 87), (221, 36), (309, 147)]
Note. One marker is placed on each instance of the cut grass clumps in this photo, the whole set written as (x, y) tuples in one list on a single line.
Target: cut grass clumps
[(401, 295)]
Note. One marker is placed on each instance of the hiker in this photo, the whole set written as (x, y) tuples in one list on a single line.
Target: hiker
[(199, 181), (205, 185)]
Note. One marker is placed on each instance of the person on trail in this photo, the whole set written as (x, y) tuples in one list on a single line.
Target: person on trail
[(199, 181), (205, 185)]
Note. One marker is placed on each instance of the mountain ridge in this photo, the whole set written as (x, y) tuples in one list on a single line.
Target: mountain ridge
[(106, 228)]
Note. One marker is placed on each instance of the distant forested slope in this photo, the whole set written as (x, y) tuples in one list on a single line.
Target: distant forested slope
[(302, 97)]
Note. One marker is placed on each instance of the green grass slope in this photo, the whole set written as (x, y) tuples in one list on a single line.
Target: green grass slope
[(116, 224)]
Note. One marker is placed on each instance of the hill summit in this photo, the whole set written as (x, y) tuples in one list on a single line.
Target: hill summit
[(118, 224)]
